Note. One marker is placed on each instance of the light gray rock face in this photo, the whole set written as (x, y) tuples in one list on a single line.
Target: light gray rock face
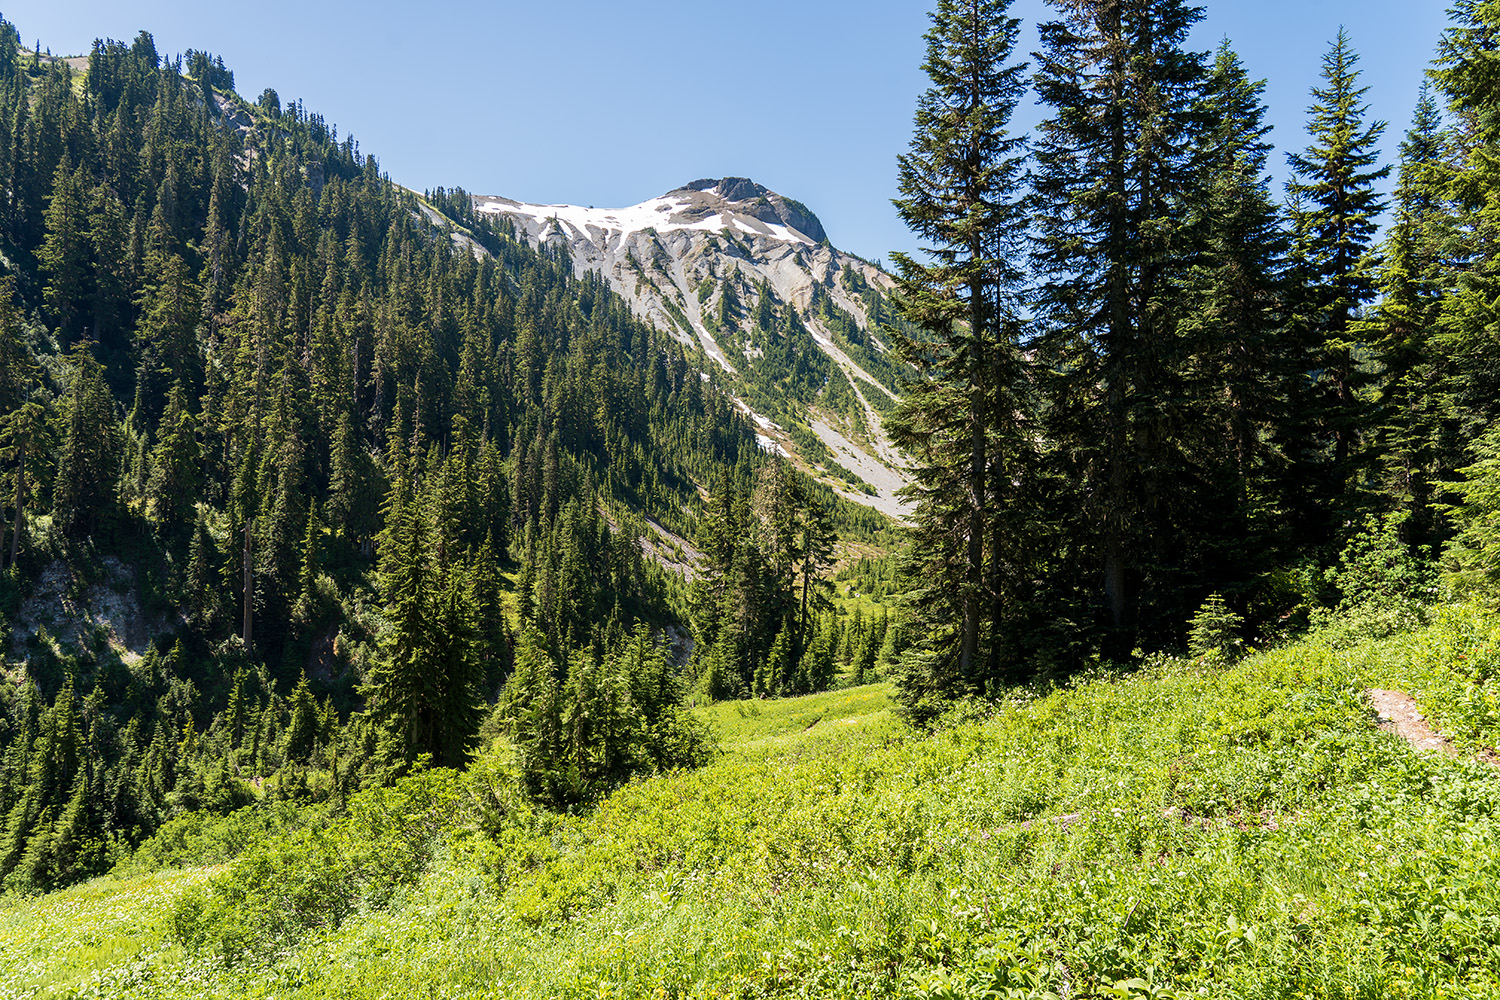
[(696, 263)]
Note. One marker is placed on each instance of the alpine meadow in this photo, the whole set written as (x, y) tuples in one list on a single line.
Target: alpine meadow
[(424, 594)]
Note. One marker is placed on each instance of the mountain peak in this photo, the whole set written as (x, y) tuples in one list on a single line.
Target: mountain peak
[(763, 204), (748, 276), (729, 188), (733, 203)]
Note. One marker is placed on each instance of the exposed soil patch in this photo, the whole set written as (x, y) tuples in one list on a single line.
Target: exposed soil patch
[(82, 613), (1399, 714)]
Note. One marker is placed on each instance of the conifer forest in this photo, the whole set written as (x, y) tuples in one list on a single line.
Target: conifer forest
[(365, 558)]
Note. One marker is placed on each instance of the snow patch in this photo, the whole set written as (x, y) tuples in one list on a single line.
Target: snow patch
[(660, 214), (769, 444)]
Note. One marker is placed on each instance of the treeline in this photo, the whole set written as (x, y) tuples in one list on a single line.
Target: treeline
[(1148, 378), (359, 464)]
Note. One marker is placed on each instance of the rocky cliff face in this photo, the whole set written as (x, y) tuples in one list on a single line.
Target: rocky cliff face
[(750, 277)]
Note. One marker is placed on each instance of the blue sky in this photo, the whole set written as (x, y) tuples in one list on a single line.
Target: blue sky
[(608, 103)]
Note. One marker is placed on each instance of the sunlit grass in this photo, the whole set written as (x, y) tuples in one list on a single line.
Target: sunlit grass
[(51, 943), (1238, 831), (742, 724)]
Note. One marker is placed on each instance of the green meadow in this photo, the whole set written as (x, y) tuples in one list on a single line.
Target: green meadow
[(1188, 828)]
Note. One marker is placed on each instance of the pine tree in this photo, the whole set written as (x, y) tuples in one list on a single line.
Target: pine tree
[(1117, 162), (18, 369), (202, 585), (167, 338), (89, 462), (1335, 212), (455, 661), (302, 731), (352, 486), (112, 285), (966, 419), (532, 712), (175, 477), (491, 634), (1237, 289), (404, 688), (1416, 435), (64, 254), (25, 441), (307, 580)]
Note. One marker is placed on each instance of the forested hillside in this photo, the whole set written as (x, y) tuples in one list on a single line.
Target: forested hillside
[(299, 473)]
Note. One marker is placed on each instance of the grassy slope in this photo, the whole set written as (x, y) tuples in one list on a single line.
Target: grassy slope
[(1234, 832), (47, 944)]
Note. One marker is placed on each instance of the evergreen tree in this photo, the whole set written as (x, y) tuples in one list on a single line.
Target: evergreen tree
[(168, 338), (352, 487), (112, 285), (1117, 163), (491, 634), (1241, 363), (454, 659), (174, 479), (1464, 72), (1416, 435), (302, 731), (64, 254), (88, 465), (25, 440), (1335, 209), (405, 690), (966, 419), (18, 370)]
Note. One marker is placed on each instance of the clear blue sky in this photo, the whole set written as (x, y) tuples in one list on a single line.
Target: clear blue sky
[(608, 103)]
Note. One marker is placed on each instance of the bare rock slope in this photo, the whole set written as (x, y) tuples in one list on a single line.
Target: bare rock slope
[(750, 277)]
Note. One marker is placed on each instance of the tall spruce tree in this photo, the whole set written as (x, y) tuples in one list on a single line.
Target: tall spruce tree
[(1119, 167), (25, 441), (88, 466), (1335, 208), (1417, 443), (966, 419), (405, 691), (64, 254), (1238, 359)]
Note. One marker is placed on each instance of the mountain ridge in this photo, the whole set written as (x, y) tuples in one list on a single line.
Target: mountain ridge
[(749, 276)]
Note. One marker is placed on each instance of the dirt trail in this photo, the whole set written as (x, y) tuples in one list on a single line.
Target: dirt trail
[(1399, 714)]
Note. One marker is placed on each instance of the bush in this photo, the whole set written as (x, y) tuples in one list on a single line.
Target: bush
[(1472, 558), (315, 877), (202, 838), (1384, 587)]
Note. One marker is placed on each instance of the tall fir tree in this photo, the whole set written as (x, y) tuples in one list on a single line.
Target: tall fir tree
[(89, 464), (966, 419), (175, 474), (64, 254), (1417, 434), (1239, 359), (1335, 209), (1119, 165), (25, 443)]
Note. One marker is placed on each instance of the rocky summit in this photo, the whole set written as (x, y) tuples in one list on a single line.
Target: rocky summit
[(750, 277)]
